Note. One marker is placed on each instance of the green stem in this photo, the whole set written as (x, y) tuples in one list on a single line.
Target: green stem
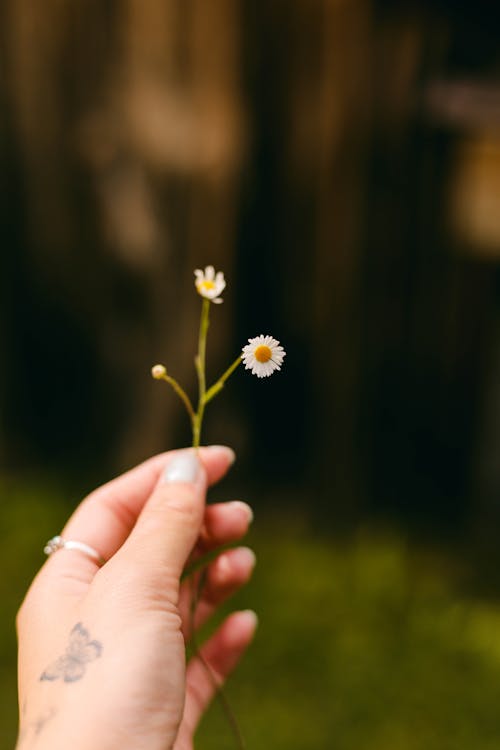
[(197, 585), (204, 561), (200, 369), (196, 589), (219, 385), (182, 395)]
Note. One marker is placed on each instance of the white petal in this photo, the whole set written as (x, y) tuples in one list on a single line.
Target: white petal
[(209, 273)]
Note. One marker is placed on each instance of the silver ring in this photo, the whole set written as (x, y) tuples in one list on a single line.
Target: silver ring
[(57, 542)]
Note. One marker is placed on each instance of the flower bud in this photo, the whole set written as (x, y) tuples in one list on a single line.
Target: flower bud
[(158, 372)]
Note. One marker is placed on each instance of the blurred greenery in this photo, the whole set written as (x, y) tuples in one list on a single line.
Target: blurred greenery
[(29, 512), (366, 641)]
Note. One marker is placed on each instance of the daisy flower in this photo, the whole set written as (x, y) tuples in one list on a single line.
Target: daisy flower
[(210, 284), (263, 355)]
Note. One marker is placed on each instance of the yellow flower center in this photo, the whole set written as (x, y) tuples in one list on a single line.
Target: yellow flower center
[(206, 285), (263, 353)]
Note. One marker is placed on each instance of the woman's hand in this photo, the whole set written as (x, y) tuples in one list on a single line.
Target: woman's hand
[(102, 650)]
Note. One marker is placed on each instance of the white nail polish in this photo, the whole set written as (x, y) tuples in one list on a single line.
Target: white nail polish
[(250, 616), (184, 467), (244, 506), (225, 448)]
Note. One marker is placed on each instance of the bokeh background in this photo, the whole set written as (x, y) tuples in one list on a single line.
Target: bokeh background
[(340, 161)]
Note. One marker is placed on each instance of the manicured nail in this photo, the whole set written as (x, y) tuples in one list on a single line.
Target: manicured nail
[(245, 507), (229, 451), (238, 557), (183, 467), (244, 556), (250, 616)]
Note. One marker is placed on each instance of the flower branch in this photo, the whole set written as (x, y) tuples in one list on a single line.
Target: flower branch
[(159, 372), (263, 355), (200, 363), (219, 385)]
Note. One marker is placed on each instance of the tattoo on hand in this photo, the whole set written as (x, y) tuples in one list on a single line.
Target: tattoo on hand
[(34, 728), (39, 724), (71, 666)]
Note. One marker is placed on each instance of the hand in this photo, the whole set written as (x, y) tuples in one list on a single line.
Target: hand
[(102, 650)]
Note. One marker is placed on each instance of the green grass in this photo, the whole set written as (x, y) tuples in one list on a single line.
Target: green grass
[(363, 644), (367, 642), (28, 517)]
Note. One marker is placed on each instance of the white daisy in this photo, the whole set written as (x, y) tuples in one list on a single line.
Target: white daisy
[(210, 284), (263, 355)]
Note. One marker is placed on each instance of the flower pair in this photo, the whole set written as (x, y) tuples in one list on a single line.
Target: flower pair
[(263, 354)]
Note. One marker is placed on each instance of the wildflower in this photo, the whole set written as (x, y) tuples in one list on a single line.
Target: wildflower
[(158, 371), (263, 355), (210, 284)]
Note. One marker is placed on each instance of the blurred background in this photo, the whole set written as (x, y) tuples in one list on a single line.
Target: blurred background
[(340, 162)]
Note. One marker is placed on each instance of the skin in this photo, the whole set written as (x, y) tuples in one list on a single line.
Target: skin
[(102, 660)]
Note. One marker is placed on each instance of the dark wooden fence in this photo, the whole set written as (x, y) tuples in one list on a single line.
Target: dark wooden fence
[(339, 160)]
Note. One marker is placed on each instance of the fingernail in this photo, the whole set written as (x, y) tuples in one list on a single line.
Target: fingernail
[(183, 467), (250, 616), (229, 451), (239, 557), (244, 556), (243, 506)]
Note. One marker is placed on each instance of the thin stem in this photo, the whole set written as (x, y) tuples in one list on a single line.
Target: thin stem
[(196, 589), (202, 562), (197, 585), (200, 369), (219, 385), (182, 395)]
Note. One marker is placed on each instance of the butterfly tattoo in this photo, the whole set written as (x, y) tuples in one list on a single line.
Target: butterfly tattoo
[(71, 666)]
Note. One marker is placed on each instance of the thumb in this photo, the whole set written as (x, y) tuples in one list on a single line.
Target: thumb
[(168, 527)]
